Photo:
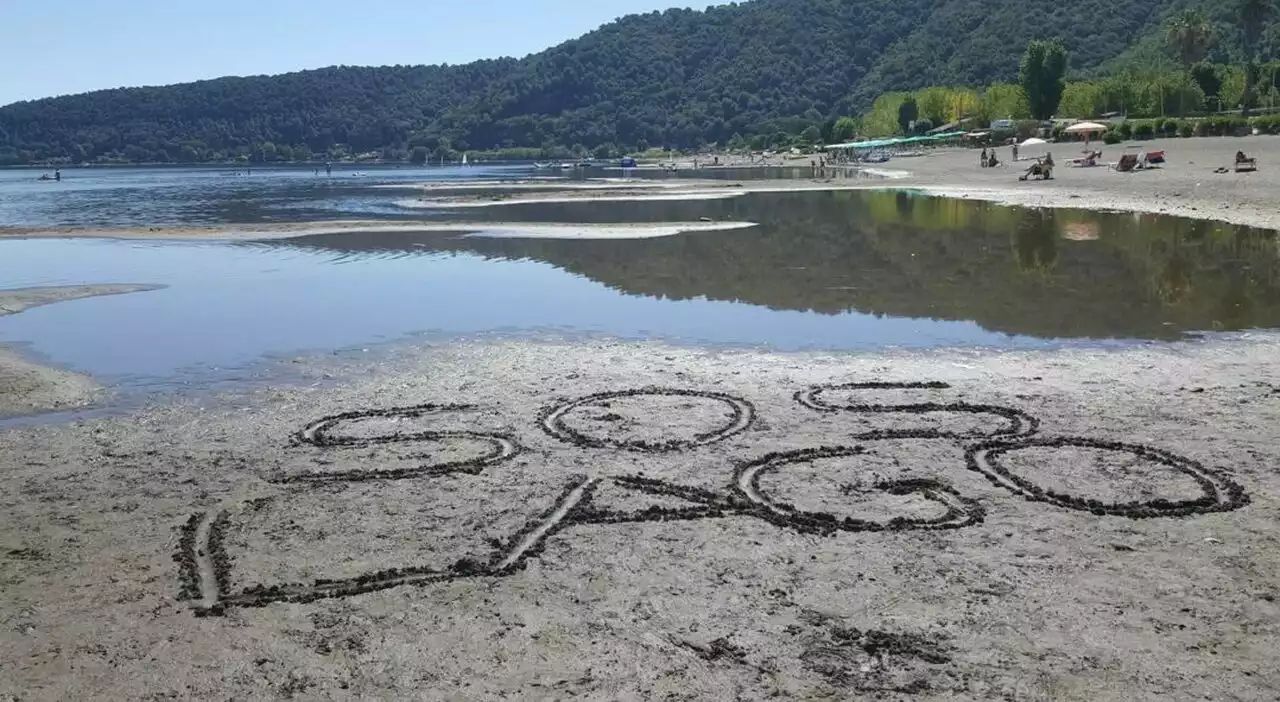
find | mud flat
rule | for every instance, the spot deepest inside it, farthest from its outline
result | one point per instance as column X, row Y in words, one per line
column 231, row 232
column 617, row 520
column 614, row 194
column 31, row 388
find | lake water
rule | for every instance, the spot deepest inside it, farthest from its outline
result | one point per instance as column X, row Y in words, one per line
column 824, row 270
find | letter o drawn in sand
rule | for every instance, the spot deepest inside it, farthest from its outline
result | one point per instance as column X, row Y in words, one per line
column 960, row 511
column 741, row 414
column 1218, row 494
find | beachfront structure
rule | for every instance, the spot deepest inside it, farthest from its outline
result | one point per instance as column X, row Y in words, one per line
column 895, row 141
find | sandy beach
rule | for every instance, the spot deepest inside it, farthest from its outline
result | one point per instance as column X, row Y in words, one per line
column 606, row 520
column 637, row 521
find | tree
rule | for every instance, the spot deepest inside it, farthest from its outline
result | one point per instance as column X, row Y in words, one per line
column 1206, row 76
column 845, row 130
column 419, row 155
column 1043, row 67
column 1189, row 35
column 907, row 113
column 1254, row 16
column 1003, row 101
column 1080, row 100
column 811, row 135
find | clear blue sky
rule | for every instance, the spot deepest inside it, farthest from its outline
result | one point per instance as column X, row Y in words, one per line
column 56, row 47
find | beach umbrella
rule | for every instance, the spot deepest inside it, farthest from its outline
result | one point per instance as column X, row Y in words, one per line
column 1033, row 141
column 1085, row 128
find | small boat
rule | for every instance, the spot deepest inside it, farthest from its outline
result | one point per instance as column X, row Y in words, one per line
column 464, row 159
column 542, row 166
column 566, row 166
column 628, row 162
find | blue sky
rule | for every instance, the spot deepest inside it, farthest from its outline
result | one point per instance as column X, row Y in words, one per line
column 56, row 47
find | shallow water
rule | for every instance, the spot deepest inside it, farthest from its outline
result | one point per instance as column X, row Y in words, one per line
column 141, row 197
column 823, row 270
column 145, row 197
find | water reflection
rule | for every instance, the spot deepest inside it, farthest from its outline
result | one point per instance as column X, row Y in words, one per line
column 1044, row 273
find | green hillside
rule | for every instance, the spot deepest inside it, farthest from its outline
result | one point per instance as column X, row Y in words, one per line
column 678, row 78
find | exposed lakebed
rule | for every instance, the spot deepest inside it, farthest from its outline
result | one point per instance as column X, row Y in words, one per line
column 818, row 270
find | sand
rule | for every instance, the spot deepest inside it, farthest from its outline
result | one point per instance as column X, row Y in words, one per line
column 29, row 388
column 1185, row 186
column 497, row 520
column 615, row 194
column 630, row 566
column 231, row 232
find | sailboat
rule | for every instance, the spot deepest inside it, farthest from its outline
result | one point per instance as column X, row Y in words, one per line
column 464, row 160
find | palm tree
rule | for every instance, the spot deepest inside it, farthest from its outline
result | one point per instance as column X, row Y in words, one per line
column 1254, row 16
column 1190, row 35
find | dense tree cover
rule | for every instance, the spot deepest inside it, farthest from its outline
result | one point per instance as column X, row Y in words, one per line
column 679, row 78
column 1041, row 75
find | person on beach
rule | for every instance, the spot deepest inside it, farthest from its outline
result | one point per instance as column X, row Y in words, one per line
column 57, row 175
column 1015, row 151
column 982, row 160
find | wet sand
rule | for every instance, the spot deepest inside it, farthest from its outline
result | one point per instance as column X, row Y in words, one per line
column 235, row 232
column 30, row 388
column 614, row 555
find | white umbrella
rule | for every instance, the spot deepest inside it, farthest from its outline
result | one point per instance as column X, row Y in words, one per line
column 1085, row 127
column 1033, row 141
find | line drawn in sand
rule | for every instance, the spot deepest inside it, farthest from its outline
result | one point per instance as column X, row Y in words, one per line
column 204, row 565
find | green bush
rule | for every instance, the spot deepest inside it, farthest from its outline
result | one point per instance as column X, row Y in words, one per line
column 1125, row 131
column 1266, row 124
column 1111, row 138
column 1169, row 128
column 1185, row 129
column 1144, row 130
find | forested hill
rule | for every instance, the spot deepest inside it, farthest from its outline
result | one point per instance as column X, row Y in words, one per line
column 678, row 78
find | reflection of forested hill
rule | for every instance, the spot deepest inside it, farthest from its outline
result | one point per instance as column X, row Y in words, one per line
column 1043, row 273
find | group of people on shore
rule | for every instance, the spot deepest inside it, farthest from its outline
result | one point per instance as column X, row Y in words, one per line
column 1042, row 168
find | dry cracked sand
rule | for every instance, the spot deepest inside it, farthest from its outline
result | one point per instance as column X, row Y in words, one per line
column 643, row 547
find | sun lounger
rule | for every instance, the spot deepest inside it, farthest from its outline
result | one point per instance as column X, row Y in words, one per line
column 1155, row 157
column 1127, row 163
column 1244, row 163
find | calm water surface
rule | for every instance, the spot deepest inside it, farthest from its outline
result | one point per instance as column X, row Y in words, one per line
column 838, row 270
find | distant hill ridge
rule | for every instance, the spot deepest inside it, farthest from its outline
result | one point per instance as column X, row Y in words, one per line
column 678, row 78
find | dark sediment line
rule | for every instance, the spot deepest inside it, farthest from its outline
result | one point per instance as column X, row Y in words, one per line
column 1018, row 423
column 1218, row 493
column 501, row 447
column 552, row 421
column 185, row 556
